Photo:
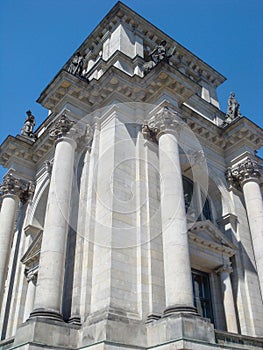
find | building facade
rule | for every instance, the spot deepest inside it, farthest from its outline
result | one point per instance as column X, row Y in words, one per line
column 132, row 217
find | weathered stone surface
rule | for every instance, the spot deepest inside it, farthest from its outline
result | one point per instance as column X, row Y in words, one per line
column 100, row 236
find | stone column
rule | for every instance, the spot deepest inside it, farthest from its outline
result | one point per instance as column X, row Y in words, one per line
column 82, row 240
column 49, row 288
column 247, row 175
column 228, row 300
column 13, row 190
column 177, row 269
column 30, row 294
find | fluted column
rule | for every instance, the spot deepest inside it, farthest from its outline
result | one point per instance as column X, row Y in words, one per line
column 177, row 269
column 48, row 298
column 247, row 175
column 12, row 189
column 228, row 300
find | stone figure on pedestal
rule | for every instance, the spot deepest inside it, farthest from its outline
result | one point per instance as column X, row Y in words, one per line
column 76, row 64
column 29, row 124
column 158, row 54
column 233, row 108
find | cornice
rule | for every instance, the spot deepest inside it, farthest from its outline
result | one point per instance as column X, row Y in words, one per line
column 245, row 131
column 121, row 13
column 219, row 242
column 136, row 88
column 14, row 147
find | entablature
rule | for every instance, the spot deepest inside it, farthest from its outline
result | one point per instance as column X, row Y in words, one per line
column 242, row 135
column 22, row 150
column 94, row 94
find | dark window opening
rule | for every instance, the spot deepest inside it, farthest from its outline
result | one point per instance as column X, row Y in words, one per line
column 202, row 294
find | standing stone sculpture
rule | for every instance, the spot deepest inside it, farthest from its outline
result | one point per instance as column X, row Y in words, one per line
column 233, row 108
column 158, row 54
column 76, row 64
column 29, row 124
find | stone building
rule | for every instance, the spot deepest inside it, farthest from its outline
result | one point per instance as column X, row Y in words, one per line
column 132, row 217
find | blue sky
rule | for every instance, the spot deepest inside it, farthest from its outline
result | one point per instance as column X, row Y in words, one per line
column 38, row 37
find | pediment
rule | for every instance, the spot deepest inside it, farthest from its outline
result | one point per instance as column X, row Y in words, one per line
column 31, row 256
column 207, row 235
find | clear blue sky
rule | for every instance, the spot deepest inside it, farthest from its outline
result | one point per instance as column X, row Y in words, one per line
column 38, row 37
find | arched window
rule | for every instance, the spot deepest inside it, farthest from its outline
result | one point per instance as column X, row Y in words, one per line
column 197, row 205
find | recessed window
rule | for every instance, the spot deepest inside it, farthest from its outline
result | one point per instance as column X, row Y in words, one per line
column 202, row 294
column 197, row 206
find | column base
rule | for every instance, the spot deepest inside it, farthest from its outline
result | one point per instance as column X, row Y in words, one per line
column 179, row 309
column 46, row 313
column 75, row 320
column 152, row 317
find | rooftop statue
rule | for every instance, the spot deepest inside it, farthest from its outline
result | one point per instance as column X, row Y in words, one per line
column 29, row 124
column 233, row 108
column 76, row 64
column 158, row 54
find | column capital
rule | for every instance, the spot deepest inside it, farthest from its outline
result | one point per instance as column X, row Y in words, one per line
column 247, row 170
column 61, row 127
column 12, row 185
column 66, row 128
column 31, row 276
column 163, row 122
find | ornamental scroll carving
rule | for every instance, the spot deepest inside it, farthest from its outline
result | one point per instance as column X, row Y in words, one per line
column 75, row 130
column 61, row 127
column 165, row 121
column 248, row 169
column 18, row 187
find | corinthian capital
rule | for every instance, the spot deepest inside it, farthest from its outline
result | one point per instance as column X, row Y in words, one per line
column 11, row 185
column 247, row 170
column 61, row 127
column 74, row 130
column 165, row 121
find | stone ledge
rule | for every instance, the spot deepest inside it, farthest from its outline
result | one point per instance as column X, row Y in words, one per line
column 238, row 341
column 180, row 326
column 47, row 333
column 178, row 332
